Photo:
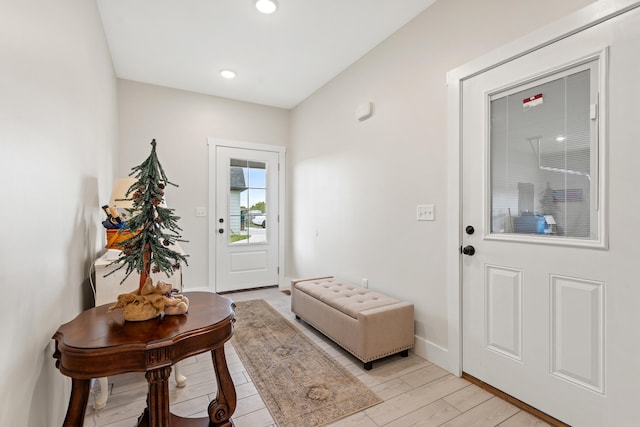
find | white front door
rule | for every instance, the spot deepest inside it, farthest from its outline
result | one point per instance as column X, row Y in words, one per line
column 246, row 218
column 547, row 302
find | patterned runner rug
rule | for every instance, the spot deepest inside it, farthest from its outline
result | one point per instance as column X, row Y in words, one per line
column 301, row 385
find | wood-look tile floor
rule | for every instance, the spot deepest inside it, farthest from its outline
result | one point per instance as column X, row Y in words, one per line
column 415, row 391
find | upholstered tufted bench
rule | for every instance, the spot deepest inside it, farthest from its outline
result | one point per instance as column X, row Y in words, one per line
column 367, row 324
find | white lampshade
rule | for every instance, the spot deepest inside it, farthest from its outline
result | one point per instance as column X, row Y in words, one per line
column 118, row 192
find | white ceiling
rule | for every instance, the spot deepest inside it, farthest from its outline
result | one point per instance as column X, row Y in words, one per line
column 280, row 59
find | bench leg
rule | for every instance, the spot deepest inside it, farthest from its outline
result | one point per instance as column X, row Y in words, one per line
column 404, row 353
column 368, row 365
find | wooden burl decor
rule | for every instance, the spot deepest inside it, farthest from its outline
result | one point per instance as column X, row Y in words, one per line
column 99, row 344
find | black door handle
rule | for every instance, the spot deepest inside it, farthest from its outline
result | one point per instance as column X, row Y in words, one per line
column 221, row 230
column 468, row 250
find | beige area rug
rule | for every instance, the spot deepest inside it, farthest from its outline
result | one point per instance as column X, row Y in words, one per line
column 300, row 384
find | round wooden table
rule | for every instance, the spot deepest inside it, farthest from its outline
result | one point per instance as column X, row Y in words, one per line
column 99, row 344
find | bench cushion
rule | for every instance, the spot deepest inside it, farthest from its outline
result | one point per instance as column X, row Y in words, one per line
column 344, row 296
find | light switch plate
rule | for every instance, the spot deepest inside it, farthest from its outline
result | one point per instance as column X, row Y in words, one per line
column 200, row 211
column 426, row 213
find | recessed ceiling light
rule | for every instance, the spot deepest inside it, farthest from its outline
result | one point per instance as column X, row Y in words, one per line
column 266, row 6
column 560, row 138
column 228, row 74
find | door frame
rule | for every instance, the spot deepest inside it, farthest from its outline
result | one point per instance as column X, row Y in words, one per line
column 213, row 144
column 588, row 17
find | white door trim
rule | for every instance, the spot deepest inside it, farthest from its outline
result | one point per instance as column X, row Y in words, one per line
column 213, row 143
column 590, row 16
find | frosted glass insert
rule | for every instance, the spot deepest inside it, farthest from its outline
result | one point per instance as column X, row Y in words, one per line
column 543, row 157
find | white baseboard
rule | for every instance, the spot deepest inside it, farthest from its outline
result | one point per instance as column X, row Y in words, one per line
column 432, row 352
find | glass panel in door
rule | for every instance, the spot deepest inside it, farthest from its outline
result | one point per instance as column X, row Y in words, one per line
column 247, row 202
column 543, row 157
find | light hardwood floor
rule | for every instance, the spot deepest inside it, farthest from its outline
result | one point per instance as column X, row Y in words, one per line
column 415, row 391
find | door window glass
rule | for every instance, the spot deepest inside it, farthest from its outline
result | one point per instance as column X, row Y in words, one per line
column 247, row 202
column 543, row 157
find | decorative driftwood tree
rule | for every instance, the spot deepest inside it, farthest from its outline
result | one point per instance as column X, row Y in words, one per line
column 155, row 228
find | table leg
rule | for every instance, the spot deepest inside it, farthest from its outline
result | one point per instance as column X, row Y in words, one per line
column 158, row 397
column 181, row 380
column 222, row 407
column 101, row 400
column 77, row 402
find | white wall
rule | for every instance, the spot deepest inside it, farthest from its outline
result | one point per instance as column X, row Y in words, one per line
column 58, row 127
column 354, row 186
column 181, row 122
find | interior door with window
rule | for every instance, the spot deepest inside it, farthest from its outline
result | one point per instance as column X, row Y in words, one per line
column 246, row 218
column 535, row 264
